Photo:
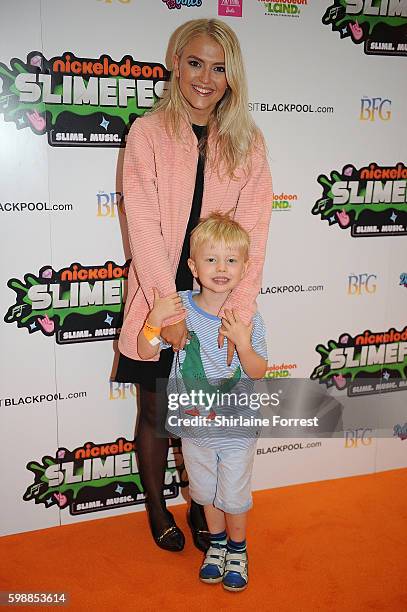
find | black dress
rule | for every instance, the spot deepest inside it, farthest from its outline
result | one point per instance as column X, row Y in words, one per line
column 145, row 373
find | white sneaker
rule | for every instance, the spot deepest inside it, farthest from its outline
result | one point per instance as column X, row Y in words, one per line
column 213, row 567
column 236, row 576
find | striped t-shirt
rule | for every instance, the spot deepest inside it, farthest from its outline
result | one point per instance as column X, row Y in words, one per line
column 209, row 401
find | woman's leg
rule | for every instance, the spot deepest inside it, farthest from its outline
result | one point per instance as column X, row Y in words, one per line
column 198, row 520
column 196, row 517
column 152, row 452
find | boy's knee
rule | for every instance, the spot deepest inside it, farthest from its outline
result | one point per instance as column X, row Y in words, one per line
column 232, row 502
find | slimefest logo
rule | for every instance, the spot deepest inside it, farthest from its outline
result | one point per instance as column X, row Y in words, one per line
column 76, row 304
column 380, row 24
column 284, row 8
column 371, row 201
column 79, row 101
column 369, row 363
column 96, row 477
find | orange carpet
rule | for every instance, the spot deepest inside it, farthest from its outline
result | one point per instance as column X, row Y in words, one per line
column 337, row 545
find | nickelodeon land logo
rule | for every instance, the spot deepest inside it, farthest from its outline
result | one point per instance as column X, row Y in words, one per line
column 96, row 477
column 284, row 201
column 79, row 101
column 370, row 201
column 284, row 8
column 369, row 363
column 282, row 370
column 76, row 304
column 380, row 24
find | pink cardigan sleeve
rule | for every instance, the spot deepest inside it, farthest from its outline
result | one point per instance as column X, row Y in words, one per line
column 253, row 212
column 147, row 246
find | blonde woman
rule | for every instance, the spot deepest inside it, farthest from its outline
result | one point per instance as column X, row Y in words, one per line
column 198, row 151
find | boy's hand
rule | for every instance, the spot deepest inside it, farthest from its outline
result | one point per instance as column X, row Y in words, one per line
column 235, row 330
column 230, row 347
column 164, row 308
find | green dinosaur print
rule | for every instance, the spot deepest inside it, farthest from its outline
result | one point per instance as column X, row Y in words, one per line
column 193, row 373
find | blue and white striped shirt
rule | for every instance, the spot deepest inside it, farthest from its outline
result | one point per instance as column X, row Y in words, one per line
column 211, row 387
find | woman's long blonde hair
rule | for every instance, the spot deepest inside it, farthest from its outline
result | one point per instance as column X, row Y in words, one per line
column 236, row 132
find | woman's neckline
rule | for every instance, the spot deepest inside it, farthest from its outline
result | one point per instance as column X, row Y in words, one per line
column 198, row 128
column 199, row 131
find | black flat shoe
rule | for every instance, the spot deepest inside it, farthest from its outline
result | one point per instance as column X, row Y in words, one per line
column 200, row 536
column 169, row 538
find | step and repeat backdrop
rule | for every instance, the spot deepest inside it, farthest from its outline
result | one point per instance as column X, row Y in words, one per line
column 327, row 84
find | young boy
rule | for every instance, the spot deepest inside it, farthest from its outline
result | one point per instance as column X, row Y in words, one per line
column 218, row 459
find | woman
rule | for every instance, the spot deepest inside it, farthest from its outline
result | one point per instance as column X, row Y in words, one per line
column 198, row 151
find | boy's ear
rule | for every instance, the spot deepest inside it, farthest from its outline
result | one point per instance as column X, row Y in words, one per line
column 192, row 267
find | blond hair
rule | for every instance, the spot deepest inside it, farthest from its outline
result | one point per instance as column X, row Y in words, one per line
column 236, row 132
column 219, row 228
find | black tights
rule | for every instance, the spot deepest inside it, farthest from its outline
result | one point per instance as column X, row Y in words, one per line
column 152, row 452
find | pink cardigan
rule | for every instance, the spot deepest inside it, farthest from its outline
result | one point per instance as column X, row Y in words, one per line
column 159, row 179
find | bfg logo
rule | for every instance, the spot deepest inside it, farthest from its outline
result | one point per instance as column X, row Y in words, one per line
column 358, row 437
column 122, row 391
column 109, row 203
column 375, row 108
column 361, row 283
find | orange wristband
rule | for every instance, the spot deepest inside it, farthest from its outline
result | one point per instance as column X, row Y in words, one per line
column 152, row 333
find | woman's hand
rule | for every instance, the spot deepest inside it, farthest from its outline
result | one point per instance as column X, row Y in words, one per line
column 236, row 331
column 176, row 335
column 164, row 308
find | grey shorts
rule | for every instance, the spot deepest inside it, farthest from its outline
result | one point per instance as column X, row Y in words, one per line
column 220, row 477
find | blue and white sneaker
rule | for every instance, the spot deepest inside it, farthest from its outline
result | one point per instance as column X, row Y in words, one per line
column 213, row 567
column 235, row 577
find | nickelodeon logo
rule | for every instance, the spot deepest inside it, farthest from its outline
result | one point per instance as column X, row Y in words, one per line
column 282, row 370
column 283, row 201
